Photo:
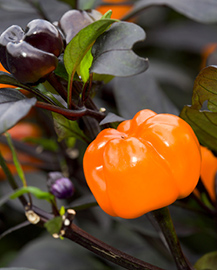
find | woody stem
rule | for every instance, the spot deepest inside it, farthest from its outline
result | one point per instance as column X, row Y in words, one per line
column 164, row 220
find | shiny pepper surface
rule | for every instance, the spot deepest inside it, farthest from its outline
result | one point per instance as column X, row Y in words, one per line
column 31, row 55
column 146, row 164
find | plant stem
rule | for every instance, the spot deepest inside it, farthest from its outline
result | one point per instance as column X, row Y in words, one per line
column 11, row 179
column 79, row 236
column 57, row 85
column 100, row 248
column 163, row 218
column 71, row 114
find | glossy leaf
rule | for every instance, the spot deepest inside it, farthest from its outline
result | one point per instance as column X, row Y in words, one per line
column 111, row 118
column 66, row 128
column 198, row 10
column 13, row 107
column 82, row 42
column 113, row 54
column 208, row 261
column 54, row 225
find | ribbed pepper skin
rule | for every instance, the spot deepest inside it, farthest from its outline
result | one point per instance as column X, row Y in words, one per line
column 146, row 164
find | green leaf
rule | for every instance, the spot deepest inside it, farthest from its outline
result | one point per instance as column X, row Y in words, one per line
column 203, row 120
column 38, row 193
column 113, row 54
column 54, row 225
column 83, row 68
column 198, row 10
column 13, row 107
column 67, row 128
column 102, row 77
column 107, row 15
column 204, row 124
column 82, row 42
column 205, row 88
column 207, row 262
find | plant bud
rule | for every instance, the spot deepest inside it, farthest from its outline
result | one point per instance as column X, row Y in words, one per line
column 60, row 186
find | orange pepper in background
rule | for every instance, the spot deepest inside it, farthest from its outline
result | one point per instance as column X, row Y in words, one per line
column 206, row 52
column 5, row 85
column 21, row 131
column 118, row 11
column 208, row 171
column 146, row 164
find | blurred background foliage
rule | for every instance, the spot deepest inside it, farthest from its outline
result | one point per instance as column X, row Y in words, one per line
column 177, row 48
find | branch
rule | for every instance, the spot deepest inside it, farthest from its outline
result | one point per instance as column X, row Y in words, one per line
column 105, row 251
column 77, row 235
column 163, row 218
column 71, row 114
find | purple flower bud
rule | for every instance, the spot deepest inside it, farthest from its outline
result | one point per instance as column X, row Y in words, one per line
column 60, row 186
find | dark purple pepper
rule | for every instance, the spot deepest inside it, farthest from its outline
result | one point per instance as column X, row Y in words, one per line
column 31, row 55
column 13, row 34
column 60, row 186
column 74, row 20
column 44, row 36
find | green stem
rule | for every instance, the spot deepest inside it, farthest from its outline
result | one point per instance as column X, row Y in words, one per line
column 163, row 218
column 11, row 179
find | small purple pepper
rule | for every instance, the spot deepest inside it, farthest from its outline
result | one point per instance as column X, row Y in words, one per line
column 60, row 186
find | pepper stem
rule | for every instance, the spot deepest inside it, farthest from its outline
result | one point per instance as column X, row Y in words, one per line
column 164, row 220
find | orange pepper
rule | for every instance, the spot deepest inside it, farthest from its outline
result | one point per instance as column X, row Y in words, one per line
column 146, row 164
column 118, row 11
column 21, row 131
column 208, row 171
column 206, row 52
column 5, row 85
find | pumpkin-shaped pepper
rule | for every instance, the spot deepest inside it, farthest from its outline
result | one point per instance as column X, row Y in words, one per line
column 146, row 164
